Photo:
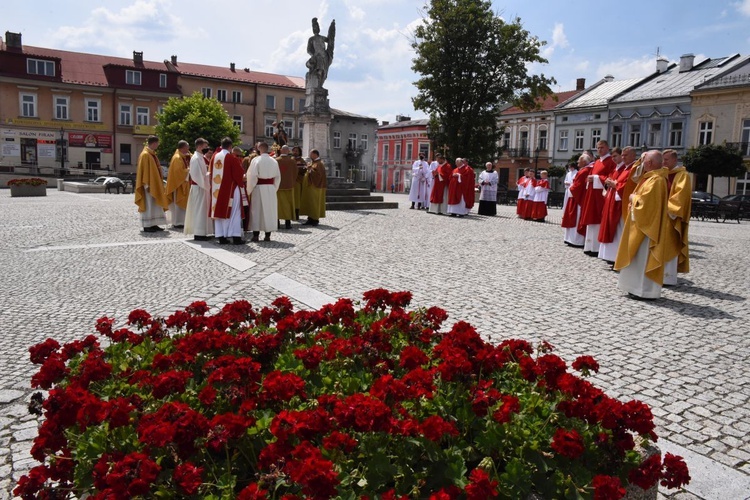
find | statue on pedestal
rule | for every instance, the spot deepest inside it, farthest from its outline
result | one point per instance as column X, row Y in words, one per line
column 320, row 49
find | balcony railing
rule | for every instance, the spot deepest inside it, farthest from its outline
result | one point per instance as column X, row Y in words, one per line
column 743, row 147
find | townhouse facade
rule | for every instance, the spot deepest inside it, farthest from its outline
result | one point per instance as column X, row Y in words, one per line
column 87, row 113
column 353, row 147
column 398, row 147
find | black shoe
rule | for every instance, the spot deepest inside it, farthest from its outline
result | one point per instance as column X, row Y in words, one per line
column 149, row 229
column 223, row 241
column 198, row 237
column 179, row 226
column 288, row 224
column 157, row 228
column 267, row 237
column 236, row 240
column 315, row 222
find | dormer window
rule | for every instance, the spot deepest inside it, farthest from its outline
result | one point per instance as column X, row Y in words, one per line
column 40, row 67
column 132, row 77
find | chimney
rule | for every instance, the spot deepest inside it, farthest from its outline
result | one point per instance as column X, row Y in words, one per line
column 137, row 57
column 580, row 83
column 686, row 62
column 384, row 123
column 247, row 70
column 403, row 118
column 231, row 67
column 13, row 41
column 609, row 78
column 174, row 60
column 662, row 63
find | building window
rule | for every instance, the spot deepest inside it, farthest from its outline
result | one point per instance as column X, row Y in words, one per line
column 542, row 144
column 635, row 136
column 654, row 135
column 126, row 115
column 132, row 77
column 424, row 149
column 397, row 153
column 506, row 140
column 675, row 134
column 270, row 102
column 40, row 67
column 409, row 151
column 221, row 95
column 352, row 144
column 268, row 129
column 386, row 152
column 163, row 80
column 28, row 105
column 363, row 140
column 289, row 127
column 93, row 110
column 61, row 107
column 206, row 91
column 289, row 104
column 578, row 144
column 125, row 154
column 237, row 120
column 616, row 136
column 236, row 96
column 363, row 174
column 337, row 140
column 302, row 104
column 596, row 136
column 141, row 115
column 705, row 133
column 562, row 144
column 745, row 146
column 524, row 142
column 300, row 128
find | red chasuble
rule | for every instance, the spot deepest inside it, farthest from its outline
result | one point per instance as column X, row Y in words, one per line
column 577, row 192
column 226, row 174
column 441, row 178
column 612, row 208
column 593, row 201
column 463, row 189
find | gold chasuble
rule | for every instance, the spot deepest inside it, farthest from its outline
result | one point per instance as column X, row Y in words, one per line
column 149, row 174
column 647, row 218
column 680, row 202
column 178, row 185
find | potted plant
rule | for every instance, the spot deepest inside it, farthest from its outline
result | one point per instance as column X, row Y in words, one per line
column 33, row 186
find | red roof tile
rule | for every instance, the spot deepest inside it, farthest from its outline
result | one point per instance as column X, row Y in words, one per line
column 547, row 104
column 239, row 75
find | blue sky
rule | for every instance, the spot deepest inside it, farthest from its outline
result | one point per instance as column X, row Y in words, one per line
column 371, row 74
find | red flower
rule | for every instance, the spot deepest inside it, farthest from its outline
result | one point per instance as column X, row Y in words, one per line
column 280, row 386
column 362, row 413
column 252, row 492
column 516, row 349
column 484, row 400
column 435, row 428
column 207, row 396
column 675, row 473
column 480, row 487
column 551, row 366
column 40, row 352
column 30, row 484
column 313, row 472
column 647, row 474
column 339, row 441
column 607, row 488
column 585, row 364
column 225, row 428
column 197, row 308
column 568, row 443
column 311, row 356
column 448, row 493
column 506, row 410
column 389, row 389
column 172, row 382
column 52, row 371
column 139, row 317
column 412, row 357
column 188, row 478
column 638, row 418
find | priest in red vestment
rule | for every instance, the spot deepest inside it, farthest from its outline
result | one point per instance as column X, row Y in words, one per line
column 613, row 222
column 226, row 202
column 577, row 193
column 461, row 189
column 440, row 179
column 593, row 202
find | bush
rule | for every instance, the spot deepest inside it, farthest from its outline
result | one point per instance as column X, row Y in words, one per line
column 339, row 402
column 31, row 181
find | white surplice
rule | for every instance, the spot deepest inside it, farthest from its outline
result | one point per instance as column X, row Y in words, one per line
column 263, row 202
column 197, row 221
column 418, row 192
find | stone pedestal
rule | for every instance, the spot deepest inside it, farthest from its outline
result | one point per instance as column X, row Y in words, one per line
column 316, row 131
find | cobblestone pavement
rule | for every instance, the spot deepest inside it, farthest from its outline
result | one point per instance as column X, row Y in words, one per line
column 69, row 259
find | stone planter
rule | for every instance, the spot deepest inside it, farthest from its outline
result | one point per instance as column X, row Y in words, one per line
column 26, row 190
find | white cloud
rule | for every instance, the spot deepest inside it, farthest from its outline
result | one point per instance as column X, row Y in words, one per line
column 627, row 67
column 743, row 6
column 558, row 36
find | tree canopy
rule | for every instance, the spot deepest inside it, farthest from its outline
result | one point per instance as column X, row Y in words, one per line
column 189, row 118
column 472, row 62
column 717, row 160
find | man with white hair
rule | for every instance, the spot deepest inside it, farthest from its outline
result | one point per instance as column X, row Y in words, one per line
column 648, row 239
column 461, row 189
column 488, row 194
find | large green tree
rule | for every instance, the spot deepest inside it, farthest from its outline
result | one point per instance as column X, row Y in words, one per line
column 189, row 118
column 716, row 160
column 472, row 62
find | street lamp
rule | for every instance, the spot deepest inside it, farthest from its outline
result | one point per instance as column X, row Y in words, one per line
column 536, row 159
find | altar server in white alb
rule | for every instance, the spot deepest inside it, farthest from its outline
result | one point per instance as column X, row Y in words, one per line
column 488, row 195
column 418, row 193
column 430, row 179
column 197, row 221
column 263, row 179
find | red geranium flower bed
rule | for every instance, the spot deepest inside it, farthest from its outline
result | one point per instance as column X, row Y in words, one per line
column 375, row 402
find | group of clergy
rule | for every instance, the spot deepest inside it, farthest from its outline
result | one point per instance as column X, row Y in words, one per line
column 444, row 189
column 634, row 214
column 222, row 193
column 532, row 195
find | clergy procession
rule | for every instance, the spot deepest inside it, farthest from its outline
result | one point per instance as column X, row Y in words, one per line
column 222, row 193
column 633, row 214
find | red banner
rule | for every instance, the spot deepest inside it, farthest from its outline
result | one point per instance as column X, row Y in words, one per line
column 89, row 140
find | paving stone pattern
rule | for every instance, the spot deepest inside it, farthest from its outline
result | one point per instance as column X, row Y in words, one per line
column 686, row 355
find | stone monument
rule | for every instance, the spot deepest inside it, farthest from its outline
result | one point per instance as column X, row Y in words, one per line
column 317, row 113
